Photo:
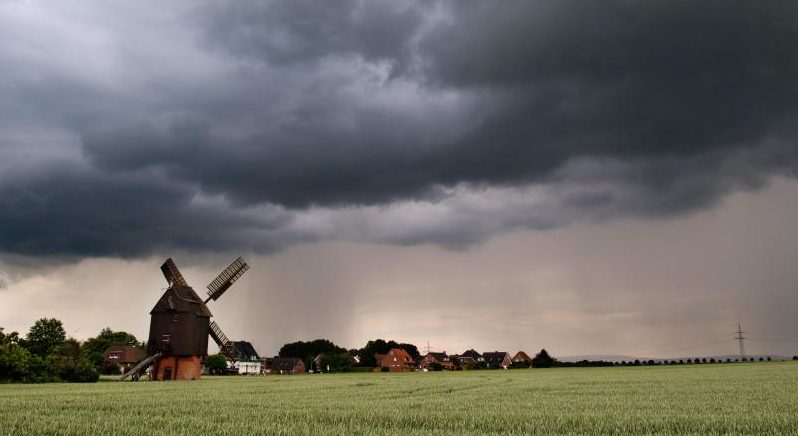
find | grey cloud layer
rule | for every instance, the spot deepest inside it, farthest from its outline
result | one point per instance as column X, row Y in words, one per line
column 255, row 125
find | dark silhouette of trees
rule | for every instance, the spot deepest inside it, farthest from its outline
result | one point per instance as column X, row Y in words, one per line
column 542, row 360
column 307, row 351
column 381, row 346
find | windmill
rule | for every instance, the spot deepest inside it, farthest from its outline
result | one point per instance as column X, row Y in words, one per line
column 180, row 324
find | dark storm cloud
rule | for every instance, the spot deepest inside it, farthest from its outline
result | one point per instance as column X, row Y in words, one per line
column 301, row 31
column 77, row 211
column 287, row 107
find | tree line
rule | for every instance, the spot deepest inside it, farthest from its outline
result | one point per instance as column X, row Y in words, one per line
column 338, row 358
column 46, row 354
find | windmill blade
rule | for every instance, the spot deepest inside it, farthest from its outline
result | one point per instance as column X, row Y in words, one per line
column 172, row 274
column 226, row 279
column 226, row 347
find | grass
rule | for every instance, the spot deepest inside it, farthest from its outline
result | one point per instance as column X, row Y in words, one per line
column 755, row 399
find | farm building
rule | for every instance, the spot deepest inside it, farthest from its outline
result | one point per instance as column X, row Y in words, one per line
column 126, row 356
column 397, row 359
column 498, row 359
column 439, row 358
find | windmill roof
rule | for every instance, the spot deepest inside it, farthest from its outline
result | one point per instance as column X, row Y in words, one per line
column 181, row 299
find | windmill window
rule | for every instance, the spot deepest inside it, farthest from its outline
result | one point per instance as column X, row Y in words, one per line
column 165, row 338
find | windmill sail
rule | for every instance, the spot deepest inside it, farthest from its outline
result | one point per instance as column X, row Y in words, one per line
column 172, row 274
column 226, row 279
column 226, row 347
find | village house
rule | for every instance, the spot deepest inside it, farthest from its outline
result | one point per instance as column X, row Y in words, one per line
column 497, row 359
column 397, row 359
column 126, row 356
column 283, row 365
column 248, row 360
column 441, row 359
column 473, row 355
column 521, row 358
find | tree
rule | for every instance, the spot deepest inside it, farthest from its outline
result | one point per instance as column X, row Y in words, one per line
column 542, row 360
column 45, row 334
column 216, row 364
column 307, row 351
column 14, row 362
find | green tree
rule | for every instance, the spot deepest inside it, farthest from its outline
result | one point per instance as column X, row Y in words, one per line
column 216, row 364
column 45, row 334
column 307, row 351
column 14, row 362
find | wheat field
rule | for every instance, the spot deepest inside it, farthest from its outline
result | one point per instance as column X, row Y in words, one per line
column 755, row 399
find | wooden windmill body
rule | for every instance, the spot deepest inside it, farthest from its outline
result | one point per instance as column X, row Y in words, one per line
column 180, row 324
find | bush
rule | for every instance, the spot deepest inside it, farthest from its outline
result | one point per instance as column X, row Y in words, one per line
column 83, row 372
column 435, row 366
column 542, row 360
column 111, row 369
column 384, row 369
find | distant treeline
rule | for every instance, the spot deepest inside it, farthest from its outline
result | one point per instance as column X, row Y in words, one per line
column 45, row 354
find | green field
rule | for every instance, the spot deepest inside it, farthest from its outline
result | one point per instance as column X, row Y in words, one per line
column 751, row 399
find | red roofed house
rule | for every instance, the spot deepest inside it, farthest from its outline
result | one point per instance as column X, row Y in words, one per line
column 521, row 358
column 396, row 359
column 439, row 358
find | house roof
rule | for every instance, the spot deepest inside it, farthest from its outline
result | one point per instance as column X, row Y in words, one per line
column 520, row 356
column 123, row 354
column 438, row 356
column 398, row 353
column 472, row 353
column 495, row 356
column 245, row 350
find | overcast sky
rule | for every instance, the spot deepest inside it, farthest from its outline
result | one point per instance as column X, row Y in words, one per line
column 615, row 177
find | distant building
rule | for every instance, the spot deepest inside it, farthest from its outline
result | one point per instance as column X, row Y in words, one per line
column 283, row 365
column 439, row 358
column 521, row 357
column 248, row 361
column 396, row 359
column 126, row 356
column 473, row 355
column 497, row 359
